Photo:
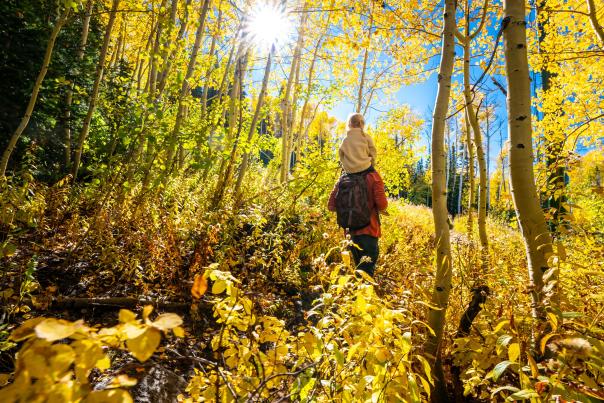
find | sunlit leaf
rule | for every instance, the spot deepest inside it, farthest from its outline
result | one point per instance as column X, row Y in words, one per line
column 55, row 329
column 143, row 347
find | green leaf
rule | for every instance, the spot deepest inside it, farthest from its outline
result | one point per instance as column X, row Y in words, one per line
column 571, row 315
column 523, row 394
column 305, row 390
column 502, row 388
column 500, row 369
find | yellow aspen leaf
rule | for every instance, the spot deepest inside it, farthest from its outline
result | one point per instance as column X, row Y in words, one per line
column 143, row 347
column 167, row 321
column 346, row 258
column 126, row 316
column 367, row 277
column 121, row 381
column 533, row 365
column 63, row 357
column 179, row 331
column 200, row 286
column 218, row 286
column 147, row 311
column 133, row 330
column 104, row 363
column 514, row 352
column 109, row 396
column 55, row 329
column 382, row 355
column 544, row 341
column 26, row 330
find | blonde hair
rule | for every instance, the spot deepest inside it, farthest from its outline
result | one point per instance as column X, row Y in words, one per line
column 356, row 120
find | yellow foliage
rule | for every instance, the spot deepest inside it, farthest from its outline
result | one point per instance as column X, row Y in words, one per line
column 48, row 369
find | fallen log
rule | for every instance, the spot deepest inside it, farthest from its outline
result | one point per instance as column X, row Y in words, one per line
column 127, row 302
column 479, row 297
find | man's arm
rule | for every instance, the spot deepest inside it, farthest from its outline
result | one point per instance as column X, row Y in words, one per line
column 379, row 194
column 331, row 206
column 372, row 150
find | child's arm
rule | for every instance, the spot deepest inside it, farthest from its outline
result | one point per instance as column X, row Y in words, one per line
column 372, row 149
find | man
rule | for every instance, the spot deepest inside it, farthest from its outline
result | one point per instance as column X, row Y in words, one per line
column 367, row 238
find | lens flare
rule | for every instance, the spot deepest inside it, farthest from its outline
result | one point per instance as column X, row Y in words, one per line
column 268, row 25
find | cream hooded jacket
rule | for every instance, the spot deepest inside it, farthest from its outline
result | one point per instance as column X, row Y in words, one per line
column 357, row 151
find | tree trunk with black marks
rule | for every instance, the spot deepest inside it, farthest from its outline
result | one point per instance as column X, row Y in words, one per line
column 442, row 280
column 536, row 236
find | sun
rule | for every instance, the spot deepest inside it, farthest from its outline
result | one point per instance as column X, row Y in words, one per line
column 268, row 25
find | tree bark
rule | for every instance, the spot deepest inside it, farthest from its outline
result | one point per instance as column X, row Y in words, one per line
column 285, row 112
column 442, row 280
column 591, row 8
column 232, row 138
column 471, row 175
column 472, row 116
column 524, row 192
column 185, row 87
column 95, row 90
column 34, row 94
column 169, row 59
column 206, row 87
column 254, row 124
column 69, row 95
column 364, row 68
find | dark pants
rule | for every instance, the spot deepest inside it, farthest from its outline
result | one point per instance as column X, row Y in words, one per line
column 369, row 248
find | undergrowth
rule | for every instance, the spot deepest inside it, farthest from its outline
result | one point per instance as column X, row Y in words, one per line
column 291, row 318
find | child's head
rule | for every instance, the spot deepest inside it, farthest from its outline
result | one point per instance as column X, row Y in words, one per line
column 355, row 120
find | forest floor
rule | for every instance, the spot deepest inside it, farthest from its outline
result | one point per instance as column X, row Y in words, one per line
column 87, row 263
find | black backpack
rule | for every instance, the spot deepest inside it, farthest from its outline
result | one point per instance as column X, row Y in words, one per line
column 352, row 206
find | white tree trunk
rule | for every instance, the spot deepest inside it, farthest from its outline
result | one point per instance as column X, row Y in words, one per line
column 442, row 280
column 524, row 192
column 95, row 90
column 472, row 116
column 286, row 110
column 254, row 124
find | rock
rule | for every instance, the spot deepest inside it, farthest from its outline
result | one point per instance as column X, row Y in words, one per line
column 158, row 385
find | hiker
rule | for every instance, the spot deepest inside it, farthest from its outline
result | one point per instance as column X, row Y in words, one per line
column 359, row 196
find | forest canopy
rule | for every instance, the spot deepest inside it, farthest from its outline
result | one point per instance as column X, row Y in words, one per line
column 166, row 173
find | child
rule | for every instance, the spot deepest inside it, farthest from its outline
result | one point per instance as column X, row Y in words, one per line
column 357, row 151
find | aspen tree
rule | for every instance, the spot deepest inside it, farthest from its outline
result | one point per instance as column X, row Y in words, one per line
column 254, row 124
column 524, row 192
column 211, row 52
column 442, row 278
column 286, row 109
column 185, row 87
column 34, row 93
column 100, row 68
column 365, row 58
column 311, row 72
column 234, row 102
column 234, row 120
column 153, row 60
column 169, row 58
column 472, row 119
column 69, row 94
column 471, row 174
